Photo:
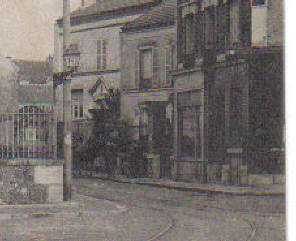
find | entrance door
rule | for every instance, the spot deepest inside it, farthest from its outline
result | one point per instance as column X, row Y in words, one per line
column 162, row 137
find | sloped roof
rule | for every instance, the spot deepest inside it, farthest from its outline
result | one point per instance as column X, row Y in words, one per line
column 164, row 13
column 38, row 94
column 108, row 5
column 35, row 72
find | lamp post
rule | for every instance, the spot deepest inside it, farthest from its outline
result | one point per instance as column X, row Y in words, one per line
column 67, row 117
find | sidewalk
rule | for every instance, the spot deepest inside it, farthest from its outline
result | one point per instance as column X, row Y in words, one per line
column 274, row 189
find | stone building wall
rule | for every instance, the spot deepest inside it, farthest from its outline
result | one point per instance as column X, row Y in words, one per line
column 25, row 183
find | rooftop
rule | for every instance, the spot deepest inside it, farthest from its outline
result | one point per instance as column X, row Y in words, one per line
column 163, row 13
column 108, row 5
column 35, row 94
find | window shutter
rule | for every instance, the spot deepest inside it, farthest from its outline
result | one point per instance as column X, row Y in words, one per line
column 180, row 38
column 155, row 67
column 104, row 54
column 168, row 64
column 99, row 54
column 199, row 33
column 137, row 69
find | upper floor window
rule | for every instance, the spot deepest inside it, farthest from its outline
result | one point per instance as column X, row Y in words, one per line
column 209, row 27
column 72, row 57
column 258, row 2
column 189, row 33
column 146, row 65
column 77, row 104
column 101, row 54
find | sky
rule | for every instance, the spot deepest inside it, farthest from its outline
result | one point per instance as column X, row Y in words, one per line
column 27, row 27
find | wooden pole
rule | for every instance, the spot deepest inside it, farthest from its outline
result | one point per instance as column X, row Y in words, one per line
column 67, row 132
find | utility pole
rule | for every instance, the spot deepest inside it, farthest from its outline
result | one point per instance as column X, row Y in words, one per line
column 67, row 134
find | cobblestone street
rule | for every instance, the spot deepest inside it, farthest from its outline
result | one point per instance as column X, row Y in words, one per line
column 200, row 216
column 105, row 210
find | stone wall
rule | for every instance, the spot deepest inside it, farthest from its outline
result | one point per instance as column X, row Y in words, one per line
column 25, row 183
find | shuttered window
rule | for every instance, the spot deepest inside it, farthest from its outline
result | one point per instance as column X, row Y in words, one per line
column 101, row 54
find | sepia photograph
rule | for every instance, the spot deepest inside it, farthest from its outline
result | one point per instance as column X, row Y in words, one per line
column 143, row 120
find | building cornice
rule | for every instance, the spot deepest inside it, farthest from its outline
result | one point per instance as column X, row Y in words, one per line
column 96, row 72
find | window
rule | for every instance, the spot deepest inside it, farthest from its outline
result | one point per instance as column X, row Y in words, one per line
column 258, row 2
column 31, row 134
column 72, row 57
column 234, row 23
column 189, row 34
column 77, row 104
column 146, row 68
column 73, row 62
column 101, row 54
column 222, row 27
column 209, row 27
column 189, row 125
column 143, row 122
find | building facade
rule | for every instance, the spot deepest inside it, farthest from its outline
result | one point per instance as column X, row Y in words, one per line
column 229, row 90
column 148, row 54
column 94, row 53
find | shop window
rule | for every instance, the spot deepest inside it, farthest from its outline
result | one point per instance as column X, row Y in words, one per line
column 101, row 54
column 146, row 72
column 77, row 104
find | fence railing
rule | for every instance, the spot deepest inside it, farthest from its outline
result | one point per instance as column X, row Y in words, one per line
column 27, row 134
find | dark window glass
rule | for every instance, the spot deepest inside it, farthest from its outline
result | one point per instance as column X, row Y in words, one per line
column 145, row 68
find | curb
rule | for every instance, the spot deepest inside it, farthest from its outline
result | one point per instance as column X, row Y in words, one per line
column 36, row 215
column 10, row 212
column 191, row 189
column 58, row 205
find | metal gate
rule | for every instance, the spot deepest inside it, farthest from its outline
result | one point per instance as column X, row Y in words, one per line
column 29, row 133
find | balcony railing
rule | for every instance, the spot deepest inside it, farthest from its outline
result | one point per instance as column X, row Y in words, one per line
column 27, row 134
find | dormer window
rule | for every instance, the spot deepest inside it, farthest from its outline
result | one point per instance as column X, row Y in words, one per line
column 72, row 57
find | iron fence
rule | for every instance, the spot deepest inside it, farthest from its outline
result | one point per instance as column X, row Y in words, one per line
column 29, row 133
